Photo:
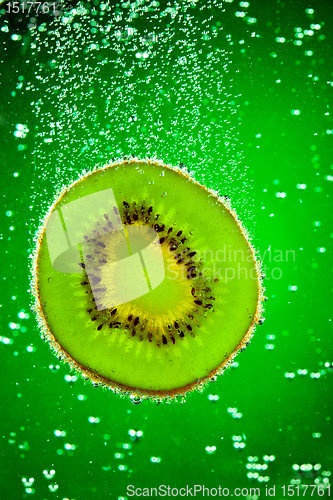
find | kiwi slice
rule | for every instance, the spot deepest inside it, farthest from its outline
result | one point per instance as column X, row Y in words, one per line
column 145, row 281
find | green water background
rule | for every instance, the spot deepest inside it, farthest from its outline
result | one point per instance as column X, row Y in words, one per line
column 266, row 141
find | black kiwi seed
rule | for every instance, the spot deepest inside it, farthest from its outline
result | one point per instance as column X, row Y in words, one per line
column 176, row 325
column 125, row 204
column 136, row 321
column 100, row 326
column 198, row 302
column 164, row 339
column 113, row 312
column 179, row 233
column 130, row 317
column 95, row 279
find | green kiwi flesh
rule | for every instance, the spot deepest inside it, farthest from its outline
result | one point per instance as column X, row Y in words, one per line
column 181, row 333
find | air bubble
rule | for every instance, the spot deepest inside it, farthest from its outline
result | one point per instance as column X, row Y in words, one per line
column 93, row 420
column 135, row 399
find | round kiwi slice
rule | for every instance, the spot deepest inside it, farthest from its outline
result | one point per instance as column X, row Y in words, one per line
column 144, row 280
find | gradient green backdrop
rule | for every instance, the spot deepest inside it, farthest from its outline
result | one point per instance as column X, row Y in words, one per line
column 228, row 90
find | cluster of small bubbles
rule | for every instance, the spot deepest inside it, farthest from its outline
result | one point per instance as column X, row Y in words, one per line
column 82, row 397
column 210, row 449
column 59, row 433
column 315, row 375
column 135, row 435
column 28, row 483
column 126, row 446
column 30, row 348
column 292, row 288
column 269, row 458
column 234, row 412
column 270, row 337
column 213, row 397
column 54, row 368
column 53, row 487
column 256, row 476
column 23, row 315
column 49, row 473
column 295, row 112
column 70, row 378
column 69, row 447
column 317, row 223
column 155, row 460
column 238, row 443
column 269, row 346
column 12, row 435
column 234, row 364
column 9, row 213
column 321, row 249
column 21, row 130
column 302, row 372
column 14, row 326
column 289, row 375
column 329, row 177
column 24, row 446
column 281, row 195
column 118, row 456
column 255, row 466
column 316, row 435
column 93, row 420
column 280, row 39
column 6, row 340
